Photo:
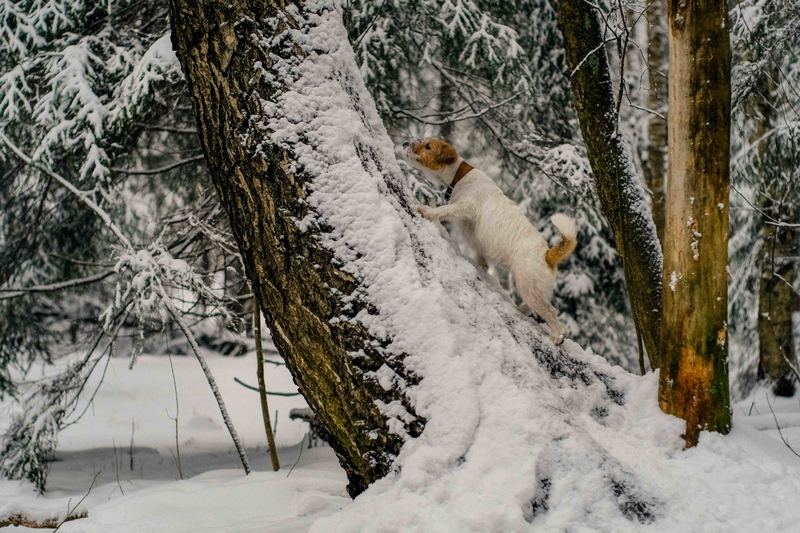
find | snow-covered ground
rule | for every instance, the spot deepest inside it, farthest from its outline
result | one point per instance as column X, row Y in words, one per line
column 752, row 469
column 137, row 407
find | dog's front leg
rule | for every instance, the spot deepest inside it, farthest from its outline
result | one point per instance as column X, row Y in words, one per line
column 456, row 211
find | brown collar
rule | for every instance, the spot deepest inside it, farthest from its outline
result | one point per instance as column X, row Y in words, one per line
column 462, row 170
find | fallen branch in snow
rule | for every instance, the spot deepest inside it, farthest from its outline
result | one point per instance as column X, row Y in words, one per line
column 19, row 520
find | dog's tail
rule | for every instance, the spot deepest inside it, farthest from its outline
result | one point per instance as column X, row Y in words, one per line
column 566, row 246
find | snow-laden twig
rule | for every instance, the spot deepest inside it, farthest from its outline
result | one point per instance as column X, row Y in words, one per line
column 82, row 196
column 14, row 292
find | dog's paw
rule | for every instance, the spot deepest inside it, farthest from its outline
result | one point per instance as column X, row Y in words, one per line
column 558, row 341
column 426, row 212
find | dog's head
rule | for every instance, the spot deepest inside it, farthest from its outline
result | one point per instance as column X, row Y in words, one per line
column 430, row 154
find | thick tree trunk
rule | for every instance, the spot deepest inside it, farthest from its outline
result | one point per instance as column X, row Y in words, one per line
column 655, row 165
column 225, row 49
column 694, row 379
column 621, row 195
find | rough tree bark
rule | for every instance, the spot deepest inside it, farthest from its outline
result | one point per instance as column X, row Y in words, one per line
column 224, row 48
column 621, row 195
column 655, row 164
column 694, row 379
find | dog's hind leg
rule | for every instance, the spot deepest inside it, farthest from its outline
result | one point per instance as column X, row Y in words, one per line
column 550, row 315
column 536, row 296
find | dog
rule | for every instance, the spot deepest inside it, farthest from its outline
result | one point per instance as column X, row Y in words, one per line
column 495, row 226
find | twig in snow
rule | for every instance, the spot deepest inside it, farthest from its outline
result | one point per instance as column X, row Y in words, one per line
column 262, row 387
column 778, row 426
column 299, row 455
column 116, row 467
column 177, row 414
column 130, row 450
column 72, row 510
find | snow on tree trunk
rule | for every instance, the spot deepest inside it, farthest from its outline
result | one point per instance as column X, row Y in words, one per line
column 621, row 195
column 694, row 378
column 384, row 326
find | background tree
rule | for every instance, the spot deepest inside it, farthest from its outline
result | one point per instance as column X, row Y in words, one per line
column 617, row 184
column 763, row 249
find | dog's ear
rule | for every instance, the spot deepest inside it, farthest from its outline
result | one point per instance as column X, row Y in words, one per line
column 446, row 154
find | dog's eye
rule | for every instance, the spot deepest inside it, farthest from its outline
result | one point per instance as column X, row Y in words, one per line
column 427, row 146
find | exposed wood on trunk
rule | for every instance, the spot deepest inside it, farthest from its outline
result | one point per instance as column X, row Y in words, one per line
column 621, row 195
column 694, row 379
column 221, row 47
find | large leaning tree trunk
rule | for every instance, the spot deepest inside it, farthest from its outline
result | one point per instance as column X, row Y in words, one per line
column 225, row 50
column 621, row 195
column 694, row 379
column 384, row 326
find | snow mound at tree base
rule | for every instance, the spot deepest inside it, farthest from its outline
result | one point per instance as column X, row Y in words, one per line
column 626, row 471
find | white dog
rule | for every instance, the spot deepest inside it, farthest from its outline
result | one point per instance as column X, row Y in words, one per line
column 495, row 226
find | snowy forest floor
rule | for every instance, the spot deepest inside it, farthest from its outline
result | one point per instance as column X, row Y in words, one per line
column 217, row 497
